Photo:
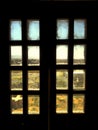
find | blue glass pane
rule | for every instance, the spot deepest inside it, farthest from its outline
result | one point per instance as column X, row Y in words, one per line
column 62, row 29
column 33, row 30
column 15, row 30
column 79, row 29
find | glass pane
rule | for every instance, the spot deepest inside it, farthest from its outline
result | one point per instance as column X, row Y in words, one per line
column 16, row 104
column 80, row 29
column 33, row 56
column 79, row 80
column 16, row 80
column 62, row 79
column 61, row 54
column 33, row 80
column 15, row 30
column 33, row 104
column 33, row 30
column 62, row 29
column 61, row 103
column 79, row 54
column 16, row 56
column 78, row 103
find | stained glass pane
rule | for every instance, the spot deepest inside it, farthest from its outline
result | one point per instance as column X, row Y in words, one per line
column 78, row 103
column 79, row 54
column 62, row 79
column 16, row 104
column 62, row 29
column 33, row 104
column 33, row 56
column 61, row 54
column 16, row 80
column 33, row 80
column 61, row 103
column 33, row 30
column 16, row 56
column 15, row 30
column 79, row 79
column 79, row 29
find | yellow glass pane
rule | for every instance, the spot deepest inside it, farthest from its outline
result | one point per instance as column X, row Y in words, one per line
column 16, row 104
column 79, row 79
column 16, row 80
column 61, row 103
column 78, row 103
column 62, row 79
column 33, row 80
column 33, row 104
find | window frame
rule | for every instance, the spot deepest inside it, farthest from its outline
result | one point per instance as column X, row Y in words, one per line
column 71, row 42
column 24, row 43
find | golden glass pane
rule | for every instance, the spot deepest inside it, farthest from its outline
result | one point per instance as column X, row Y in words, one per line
column 62, row 29
column 78, row 103
column 16, row 104
column 15, row 30
column 61, row 54
column 62, row 79
column 79, row 79
column 33, row 80
column 79, row 54
column 80, row 29
column 33, row 104
column 33, row 28
column 16, row 80
column 16, row 56
column 33, row 56
column 61, row 103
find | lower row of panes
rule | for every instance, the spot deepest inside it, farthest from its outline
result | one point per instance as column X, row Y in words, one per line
column 61, row 104
column 17, row 104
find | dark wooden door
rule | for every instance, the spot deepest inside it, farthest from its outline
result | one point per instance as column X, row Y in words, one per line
column 50, row 117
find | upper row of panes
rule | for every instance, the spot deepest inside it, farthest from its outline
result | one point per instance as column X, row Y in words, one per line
column 62, row 30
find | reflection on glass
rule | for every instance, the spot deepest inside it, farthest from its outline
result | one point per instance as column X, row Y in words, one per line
column 33, row 56
column 16, row 56
column 16, row 104
column 16, row 80
column 79, row 54
column 33, row 104
column 78, row 103
column 62, row 29
column 62, row 79
column 15, row 30
column 61, row 54
column 80, row 29
column 79, row 80
column 33, row 80
column 61, row 103
column 33, row 30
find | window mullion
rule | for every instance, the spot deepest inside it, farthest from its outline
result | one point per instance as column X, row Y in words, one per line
column 24, row 54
